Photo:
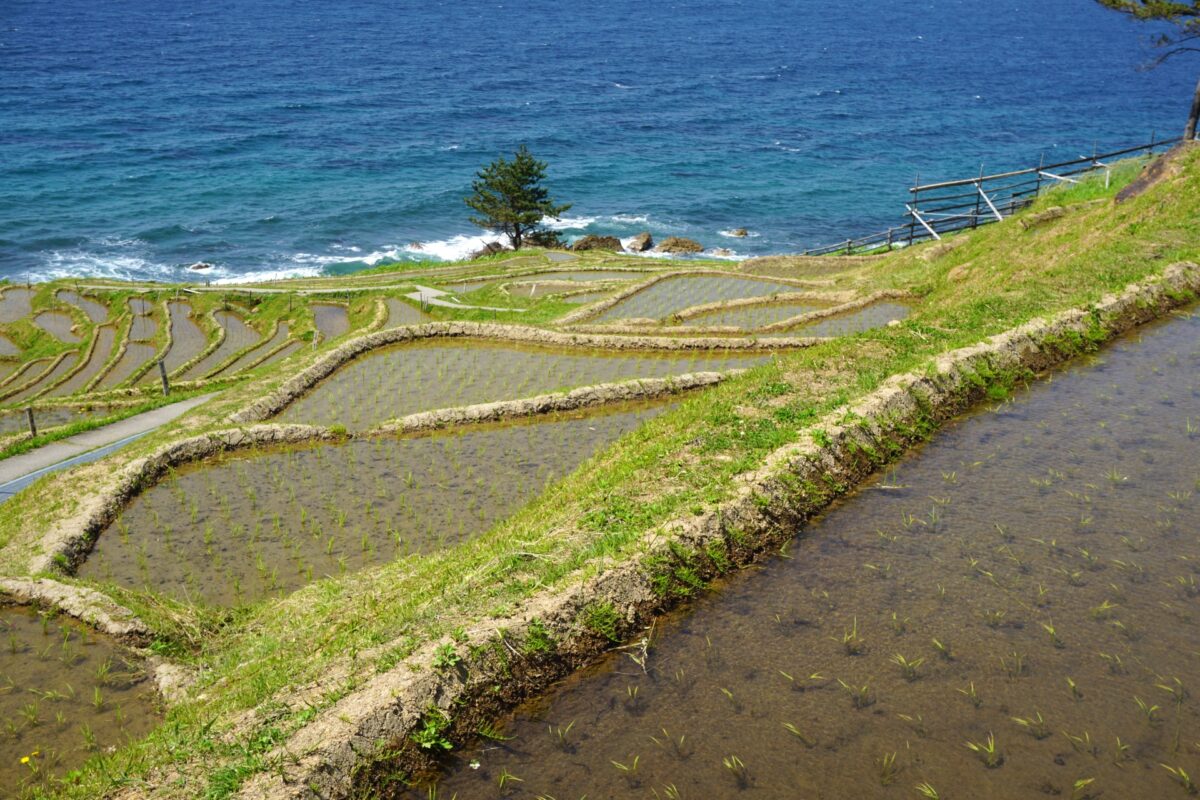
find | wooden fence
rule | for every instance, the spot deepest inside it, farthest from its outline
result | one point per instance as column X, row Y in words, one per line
column 937, row 209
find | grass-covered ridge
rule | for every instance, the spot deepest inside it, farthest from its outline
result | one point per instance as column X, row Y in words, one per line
column 339, row 632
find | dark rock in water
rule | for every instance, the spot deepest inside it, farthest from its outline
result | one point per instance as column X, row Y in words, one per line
column 678, row 244
column 593, row 242
column 723, row 252
column 417, row 245
column 489, row 249
column 740, row 233
column 199, row 266
column 641, row 243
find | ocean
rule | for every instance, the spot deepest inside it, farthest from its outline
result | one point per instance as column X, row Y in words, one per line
column 277, row 138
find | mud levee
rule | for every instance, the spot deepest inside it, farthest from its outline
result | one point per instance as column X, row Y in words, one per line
column 357, row 746
column 286, row 394
column 105, row 615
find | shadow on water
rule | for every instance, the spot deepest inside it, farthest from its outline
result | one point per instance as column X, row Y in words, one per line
column 1008, row 613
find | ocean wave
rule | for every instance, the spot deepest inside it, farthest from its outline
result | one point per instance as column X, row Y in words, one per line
column 567, row 223
column 732, row 234
column 261, row 276
column 456, row 248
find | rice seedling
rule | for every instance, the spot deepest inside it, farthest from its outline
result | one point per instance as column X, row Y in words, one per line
column 1014, row 665
column 888, row 771
column 676, row 747
column 987, row 751
column 860, row 696
column 1081, row 789
column 927, row 791
column 1082, row 744
column 737, row 768
column 505, row 778
column 851, row 641
column 1053, row 634
column 629, row 771
column 1180, row 775
column 971, row 695
column 908, row 668
column 1076, row 694
column 916, row 722
column 1035, row 726
column 804, row 738
column 943, row 649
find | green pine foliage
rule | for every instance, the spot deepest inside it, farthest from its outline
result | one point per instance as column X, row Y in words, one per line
column 508, row 197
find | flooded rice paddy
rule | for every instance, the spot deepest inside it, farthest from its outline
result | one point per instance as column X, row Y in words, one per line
column 254, row 356
column 1009, row 613
column 136, row 354
column 141, row 306
column 238, row 336
column 66, row 694
column 143, row 328
column 401, row 313
column 187, row 338
column 16, row 303
column 751, row 317
column 332, row 319
column 418, row 376
column 671, row 295
column 249, row 525
column 587, row 297
column 52, row 417
column 48, row 379
column 7, row 348
column 58, row 325
column 106, row 337
column 97, row 312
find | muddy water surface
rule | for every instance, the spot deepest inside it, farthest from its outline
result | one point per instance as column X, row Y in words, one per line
column 751, row 317
column 106, row 337
column 238, row 336
column 136, row 354
column 418, row 376
column 253, row 524
column 66, row 694
column 1032, row 575
column 13, row 421
column 401, row 313
column 675, row 294
column 58, row 325
column 15, row 304
column 332, row 320
column 97, row 312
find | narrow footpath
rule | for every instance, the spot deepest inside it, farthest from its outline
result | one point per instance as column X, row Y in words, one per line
column 19, row 471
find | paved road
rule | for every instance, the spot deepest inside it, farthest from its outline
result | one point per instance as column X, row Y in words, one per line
column 19, row 471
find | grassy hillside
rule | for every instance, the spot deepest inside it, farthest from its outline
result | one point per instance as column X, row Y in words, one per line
column 254, row 658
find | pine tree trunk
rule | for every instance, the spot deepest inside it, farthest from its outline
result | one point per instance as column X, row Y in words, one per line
column 1189, row 133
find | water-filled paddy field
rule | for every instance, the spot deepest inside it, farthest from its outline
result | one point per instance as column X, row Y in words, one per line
column 66, row 694
column 332, row 320
column 14, row 421
column 250, row 524
column 401, row 313
column 671, row 295
column 751, row 317
column 97, row 312
column 423, row 375
column 1009, row 613
column 57, row 324
column 238, row 336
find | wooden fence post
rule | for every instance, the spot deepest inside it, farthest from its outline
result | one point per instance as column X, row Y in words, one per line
column 32, row 423
column 162, row 373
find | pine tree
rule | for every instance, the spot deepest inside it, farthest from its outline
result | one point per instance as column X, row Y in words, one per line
column 510, row 199
column 1185, row 17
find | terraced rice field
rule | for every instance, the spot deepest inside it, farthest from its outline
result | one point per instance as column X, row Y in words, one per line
column 587, row 297
column 187, row 339
column 254, row 524
column 66, row 694
column 1010, row 612
column 238, row 335
column 140, row 306
column 875, row 315
column 7, row 348
column 401, row 313
column 48, row 379
column 253, row 356
column 404, row 379
column 58, row 325
column 752, row 317
column 143, row 329
column 15, row 304
column 96, row 312
column 106, row 336
column 136, row 354
column 332, row 320
column 49, row 417
column 671, row 295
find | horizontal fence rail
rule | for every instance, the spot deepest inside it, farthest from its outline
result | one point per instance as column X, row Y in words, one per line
column 937, row 209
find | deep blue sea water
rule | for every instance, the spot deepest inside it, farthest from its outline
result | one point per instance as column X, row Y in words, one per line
column 285, row 137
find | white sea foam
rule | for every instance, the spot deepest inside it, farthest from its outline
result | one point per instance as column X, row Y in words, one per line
column 456, row 248
column 567, row 223
column 631, row 219
column 730, row 234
